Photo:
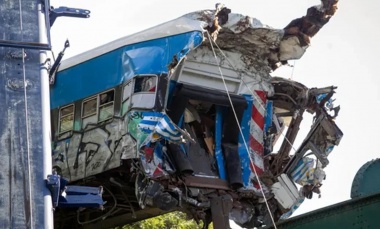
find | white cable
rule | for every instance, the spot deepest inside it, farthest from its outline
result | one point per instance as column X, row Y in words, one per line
column 293, row 67
column 241, row 132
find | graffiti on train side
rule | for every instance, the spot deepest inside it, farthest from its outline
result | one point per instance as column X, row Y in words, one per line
column 94, row 150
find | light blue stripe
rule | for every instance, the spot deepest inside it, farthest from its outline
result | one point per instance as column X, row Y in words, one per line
column 148, row 122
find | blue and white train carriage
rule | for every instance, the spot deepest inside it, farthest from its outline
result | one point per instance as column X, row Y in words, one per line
column 168, row 109
column 99, row 93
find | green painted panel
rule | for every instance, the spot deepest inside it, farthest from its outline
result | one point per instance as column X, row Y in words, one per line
column 357, row 213
column 364, row 183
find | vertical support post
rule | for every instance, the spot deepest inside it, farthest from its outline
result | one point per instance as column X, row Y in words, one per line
column 253, row 130
column 256, row 140
column 45, row 108
column 220, row 210
column 290, row 137
column 218, row 142
column 268, row 116
column 22, row 184
column 243, row 152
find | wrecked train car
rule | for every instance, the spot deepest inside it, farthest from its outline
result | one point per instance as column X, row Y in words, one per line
column 185, row 118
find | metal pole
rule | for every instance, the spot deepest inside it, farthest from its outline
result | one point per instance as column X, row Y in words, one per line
column 45, row 107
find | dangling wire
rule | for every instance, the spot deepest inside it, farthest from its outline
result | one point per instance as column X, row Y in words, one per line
column 102, row 217
column 241, row 132
column 293, row 67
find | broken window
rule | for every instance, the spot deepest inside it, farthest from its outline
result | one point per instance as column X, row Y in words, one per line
column 144, row 92
column 66, row 120
column 145, row 84
column 106, row 105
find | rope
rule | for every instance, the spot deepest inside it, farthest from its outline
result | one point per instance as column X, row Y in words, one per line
column 293, row 67
column 241, row 132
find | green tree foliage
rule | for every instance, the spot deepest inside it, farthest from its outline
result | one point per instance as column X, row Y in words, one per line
column 173, row 220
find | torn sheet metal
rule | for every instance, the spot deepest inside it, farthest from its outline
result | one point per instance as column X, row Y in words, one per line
column 163, row 30
column 154, row 161
column 285, row 192
column 306, row 173
column 262, row 47
column 254, row 49
column 295, row 206
column 160, row 124
column 202, row 68
column 299, row 32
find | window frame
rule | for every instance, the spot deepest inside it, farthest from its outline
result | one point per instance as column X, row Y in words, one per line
column 98, row 107
column 60, row 117
column 128, row 97
column 141, row 93
column 87, row 100
column 142, row 77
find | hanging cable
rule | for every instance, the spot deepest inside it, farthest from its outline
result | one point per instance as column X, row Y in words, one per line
column 241, row 132
column 102, row 217
column 293, row 67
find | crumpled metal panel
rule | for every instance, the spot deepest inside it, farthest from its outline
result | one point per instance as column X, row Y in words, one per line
column 166, row 29
column 249, row 44
column 160, row 124
column 119, row 65
column 240, row 77
column 263, row 47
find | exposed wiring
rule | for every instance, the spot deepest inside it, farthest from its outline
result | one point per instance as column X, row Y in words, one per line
column 102, row 216
column 112, row 180
column 287, row 96
column 241, row 132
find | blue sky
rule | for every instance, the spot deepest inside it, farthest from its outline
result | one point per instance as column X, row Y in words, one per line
column 344, row 53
